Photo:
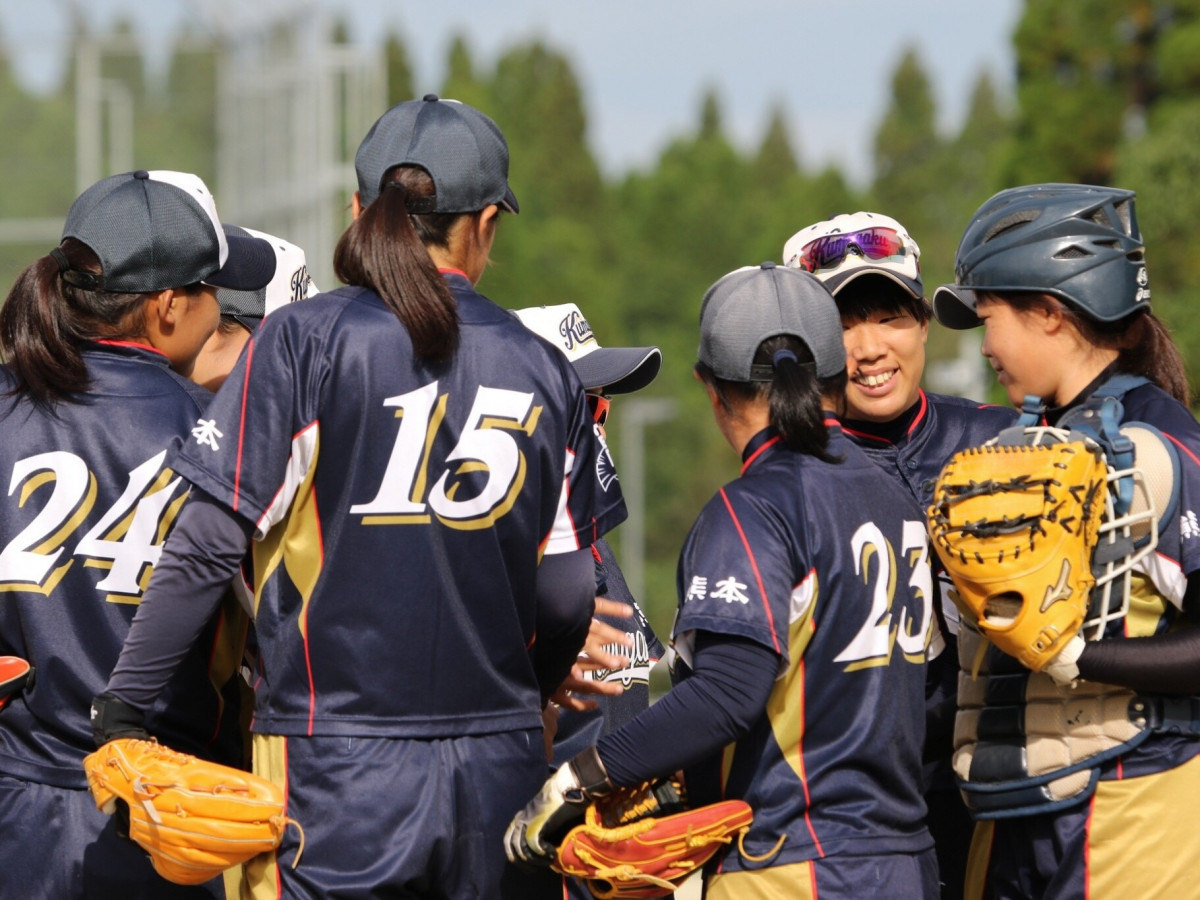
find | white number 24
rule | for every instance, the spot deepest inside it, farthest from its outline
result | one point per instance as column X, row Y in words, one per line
column 127, row 540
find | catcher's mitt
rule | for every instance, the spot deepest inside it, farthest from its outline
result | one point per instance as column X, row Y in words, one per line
column 643, row 842
column 1016, row 527
column 194, row 818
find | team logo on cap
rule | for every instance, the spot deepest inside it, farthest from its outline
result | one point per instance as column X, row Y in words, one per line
column 301, row 281
column 575, row 329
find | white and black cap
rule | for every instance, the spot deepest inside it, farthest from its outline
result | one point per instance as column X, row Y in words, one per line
column 158, row 230
column 463, row 151
column 754, row 303
column 610, row 370
column 290, row 283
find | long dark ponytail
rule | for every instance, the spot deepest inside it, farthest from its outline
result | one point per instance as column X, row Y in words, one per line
column 45, row 322
column 795, row 394
column 384, row 250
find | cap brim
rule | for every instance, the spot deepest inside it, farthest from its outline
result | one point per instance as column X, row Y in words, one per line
column 839, row 280
column 954, row 307
column 618, row 370
column 510, row 201
column 249, row 266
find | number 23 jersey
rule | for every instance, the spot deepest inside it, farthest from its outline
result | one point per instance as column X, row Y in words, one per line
column 401, row 510
column 828, row 565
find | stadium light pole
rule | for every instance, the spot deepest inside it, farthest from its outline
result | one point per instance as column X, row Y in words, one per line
column 636, row 413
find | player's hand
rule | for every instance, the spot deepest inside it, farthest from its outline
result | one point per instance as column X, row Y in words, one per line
column 594, row 656
column 532, row 836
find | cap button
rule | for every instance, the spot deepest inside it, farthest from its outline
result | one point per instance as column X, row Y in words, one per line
column 141, row 174
column 767, row 265
column 430, row 98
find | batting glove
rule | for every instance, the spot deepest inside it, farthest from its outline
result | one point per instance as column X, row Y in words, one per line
column 535, row 831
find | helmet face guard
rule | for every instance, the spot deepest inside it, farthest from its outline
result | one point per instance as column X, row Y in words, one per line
column 1080, row 243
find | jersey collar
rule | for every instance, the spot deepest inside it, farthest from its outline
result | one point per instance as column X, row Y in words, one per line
column 894, row 431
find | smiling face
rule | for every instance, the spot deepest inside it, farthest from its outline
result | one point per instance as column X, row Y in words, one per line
column 885, row 349
column 1027, row 353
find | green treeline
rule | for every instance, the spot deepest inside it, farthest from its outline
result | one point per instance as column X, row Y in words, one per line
column 1106, row 91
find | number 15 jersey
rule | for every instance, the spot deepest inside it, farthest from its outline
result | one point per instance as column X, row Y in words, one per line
column 401, row 509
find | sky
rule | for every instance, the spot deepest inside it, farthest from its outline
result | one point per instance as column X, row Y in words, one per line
column 644, row 65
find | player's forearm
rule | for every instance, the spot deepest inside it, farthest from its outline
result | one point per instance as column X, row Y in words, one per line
column 199, row 560
column 1165, row 664
column 717, row 705
column 566, row 595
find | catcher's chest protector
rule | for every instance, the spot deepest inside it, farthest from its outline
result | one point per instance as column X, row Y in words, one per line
column 1025, row 745
column 1022, row 743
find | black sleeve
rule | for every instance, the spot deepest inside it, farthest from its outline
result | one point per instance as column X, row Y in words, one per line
column 566, row 599
column 1164, row 664
column 727, row 692
column 198, row 562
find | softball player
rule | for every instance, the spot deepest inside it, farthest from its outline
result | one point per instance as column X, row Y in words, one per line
column 1068, row 320
column 871, row 265
column 805, row 609
column 242, row 311
column 406, row 456
column 99, row 335
column 622, row 648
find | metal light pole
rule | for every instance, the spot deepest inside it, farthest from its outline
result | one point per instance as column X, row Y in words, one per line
column 636, row 414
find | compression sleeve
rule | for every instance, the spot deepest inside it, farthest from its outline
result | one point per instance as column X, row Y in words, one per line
column 727, row 692
column 198, row 563
column 566, row 598
column 1163, row 664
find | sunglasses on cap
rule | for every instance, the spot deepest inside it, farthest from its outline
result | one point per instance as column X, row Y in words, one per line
column 599, row 405
column 829, row 251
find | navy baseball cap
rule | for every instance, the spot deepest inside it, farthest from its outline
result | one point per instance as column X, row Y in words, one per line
column 754, row 303
column 462, row 150
column 291, row 282
column 158, row 230
column 610, row 370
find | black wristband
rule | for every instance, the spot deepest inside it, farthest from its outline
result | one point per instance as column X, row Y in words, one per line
column 590, row 773
column 113, row 718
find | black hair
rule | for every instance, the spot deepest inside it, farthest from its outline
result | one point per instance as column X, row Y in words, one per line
column 794, row 394
column 384, row 250
column 45, row 321
column 872, row 293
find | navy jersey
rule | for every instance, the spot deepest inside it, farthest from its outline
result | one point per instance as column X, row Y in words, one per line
column 87, row 505
column 400, row 510
column 580, row 729
column 827, row 565
column 1157, row 600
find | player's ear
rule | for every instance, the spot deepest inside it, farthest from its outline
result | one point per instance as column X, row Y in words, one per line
column 356, row 206
column 162, row 307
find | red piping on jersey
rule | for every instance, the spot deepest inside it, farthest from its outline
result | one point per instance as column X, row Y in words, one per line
column 812, row 879
column 754, row 565
column 237, row 470
column 1176, row 441
column 138, row 344
column 865, row 435
column 596, row 554
column 755, row 454
column 442, row 271
column 919, row 417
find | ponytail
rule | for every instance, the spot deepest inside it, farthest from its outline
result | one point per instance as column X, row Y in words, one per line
column 1146, row 349
column 382, row 250
column 45, row 322
column 795, row 395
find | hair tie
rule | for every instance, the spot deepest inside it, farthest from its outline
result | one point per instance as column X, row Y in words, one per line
column 781, row 355
column 61, row 259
